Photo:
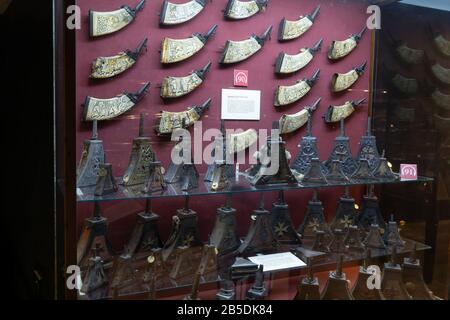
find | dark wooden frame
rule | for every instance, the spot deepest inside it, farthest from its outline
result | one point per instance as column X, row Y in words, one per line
column 64, row 48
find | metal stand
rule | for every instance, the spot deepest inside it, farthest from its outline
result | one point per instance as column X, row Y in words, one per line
column 95, row 277
column 336, row 173
column 260, row 238
column 346, row 214
column 185, row 263
column 337, row 244
column 342, row 152
column 337, row 285
column 155, row 179
column 370, row 213
column 281, row 222
column 392, row 286
column 258, row 291
column 392, row 236
column 413, row 278
column 227, row 290
column 141, row 156
column 184, row 231
column 220, row 148
column 124, row 273
column 276, row 153
column 189, row 177
column 145, row 236
column 308, row 289
column 314, row 175
column 92, row 156
column 94, row 235
column 314, row 218
column 361, row 290
column 363, row 172
column 106, row 184
column 353, row 240
column 224, row 235
column 320, row 242
column 374, row 239
column 368, row 148
column 384, row 171
column 308, row 151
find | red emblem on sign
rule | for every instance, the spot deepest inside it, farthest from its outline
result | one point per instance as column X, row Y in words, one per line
column 408, row 171
column 241, row 78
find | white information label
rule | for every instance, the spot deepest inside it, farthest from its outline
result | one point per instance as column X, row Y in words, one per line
column 238, row 104
column 278, row 261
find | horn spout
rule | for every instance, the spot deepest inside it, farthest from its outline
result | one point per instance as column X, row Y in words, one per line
column 314, row 78
column 314, row 14
column 209, row 33
column 135, row 97
column 317, row 46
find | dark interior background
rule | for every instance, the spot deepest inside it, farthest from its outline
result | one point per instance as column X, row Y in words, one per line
column 406, row 128
column 27, row 143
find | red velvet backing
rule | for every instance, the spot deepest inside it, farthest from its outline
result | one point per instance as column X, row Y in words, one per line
column 336, row 21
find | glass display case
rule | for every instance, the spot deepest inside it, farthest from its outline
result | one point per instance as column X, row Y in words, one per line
column 344, row 170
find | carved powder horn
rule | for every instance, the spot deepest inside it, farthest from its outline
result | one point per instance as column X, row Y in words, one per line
column 292, row 29
column 107, row 67
column 106, row 109
column 343, row 81
column 237, row 51
column 176, row 50
column 340, row 49
column 238, row 10
column 103, row 23
column 287, row 63
column 177, row 13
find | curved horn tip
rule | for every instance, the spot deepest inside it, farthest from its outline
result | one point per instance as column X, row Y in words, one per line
column 213, row 28
column 316, row 74
column 267, row 32
column 207, row 103
column 139, row 6
column 314, row 14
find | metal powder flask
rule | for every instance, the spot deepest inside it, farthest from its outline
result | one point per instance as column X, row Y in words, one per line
column 142, row 155
column 308, row 288
column 413, row 277
column 308, row 151
column 370, row 213
column 314, row 218
column 224, row 235
column 368, row 149
column 145, row 236
column 260, row 237
column 91, row 157
column 337, row 285
column 94, row 235
column 220, row 173
column 275, row 152
column 361, row 290
column 392, row 286
column 281, row 222
column 341, row 151
column 184, row 231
